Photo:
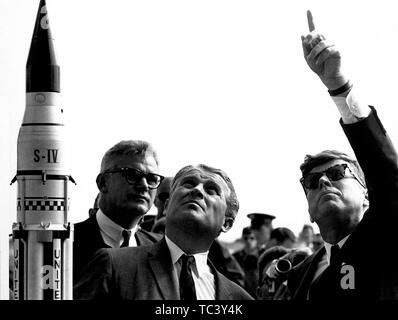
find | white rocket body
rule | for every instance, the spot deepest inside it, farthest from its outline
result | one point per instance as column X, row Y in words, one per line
column 43, row 238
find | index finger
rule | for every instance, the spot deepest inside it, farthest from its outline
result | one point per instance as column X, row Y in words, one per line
column 310, row 19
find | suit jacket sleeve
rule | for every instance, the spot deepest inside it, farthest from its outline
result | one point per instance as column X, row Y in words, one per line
column 373, row 239
column 378, row 159
column 96, row 280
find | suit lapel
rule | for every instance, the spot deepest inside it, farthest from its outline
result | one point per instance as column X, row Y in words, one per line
column 222, row 291
column 140, row 239
column 94, row 233
column 308, row 276
column 163, row 270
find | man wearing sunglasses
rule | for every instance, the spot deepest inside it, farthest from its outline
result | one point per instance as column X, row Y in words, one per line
column 356, row 210
column 202, row 204
column 127, row 186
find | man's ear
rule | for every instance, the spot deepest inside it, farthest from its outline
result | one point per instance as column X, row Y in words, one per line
column 102, row 183
column 228, row 222
column 166, row 204
column 366, row 200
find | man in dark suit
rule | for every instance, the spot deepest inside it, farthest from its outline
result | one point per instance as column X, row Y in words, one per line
column 127, row 185
column 357, row 220
column 218, row 253
column 202, row 204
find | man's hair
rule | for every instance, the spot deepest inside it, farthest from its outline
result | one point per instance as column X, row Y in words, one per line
column 246, row 231
column 136, row 148
column 282, row 234
column 308, row 226
column 312, row 161
column 232, row 200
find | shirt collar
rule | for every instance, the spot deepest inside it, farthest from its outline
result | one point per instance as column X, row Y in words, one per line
column 328, row 246
column 200, row 258
column 110, row 228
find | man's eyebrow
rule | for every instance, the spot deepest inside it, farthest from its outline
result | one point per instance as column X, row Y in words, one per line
column 188, row 177
column 213, row 183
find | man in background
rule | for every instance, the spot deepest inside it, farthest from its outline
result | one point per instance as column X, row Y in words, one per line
column 127, row 183
column 261, row 224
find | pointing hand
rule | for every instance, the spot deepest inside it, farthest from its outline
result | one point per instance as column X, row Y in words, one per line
column 322, row 57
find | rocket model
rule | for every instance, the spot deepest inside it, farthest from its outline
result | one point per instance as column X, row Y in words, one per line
column 43, row 238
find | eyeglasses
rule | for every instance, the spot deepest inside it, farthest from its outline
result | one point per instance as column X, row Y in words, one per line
column 335, row 173
column 132, row 176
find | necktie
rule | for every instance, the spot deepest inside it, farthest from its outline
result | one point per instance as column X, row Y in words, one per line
column 187, row 286
column 312, row 293
column 334, row 250
column 126, row 238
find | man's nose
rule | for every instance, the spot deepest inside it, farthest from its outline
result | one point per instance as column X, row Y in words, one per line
column 198, row 191
column 324, row 182
column 142, row 184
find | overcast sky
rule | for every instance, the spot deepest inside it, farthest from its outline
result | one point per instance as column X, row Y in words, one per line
column 216, row 82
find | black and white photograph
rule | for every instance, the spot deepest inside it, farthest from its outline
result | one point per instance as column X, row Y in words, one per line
column 221, row 150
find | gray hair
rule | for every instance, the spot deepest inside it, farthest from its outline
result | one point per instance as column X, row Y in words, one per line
column 232, row 200
column 137, row 148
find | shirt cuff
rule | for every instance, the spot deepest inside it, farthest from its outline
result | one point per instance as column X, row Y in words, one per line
column 350, row 108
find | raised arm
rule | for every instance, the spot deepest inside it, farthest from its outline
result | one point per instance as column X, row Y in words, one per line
column 364, row 130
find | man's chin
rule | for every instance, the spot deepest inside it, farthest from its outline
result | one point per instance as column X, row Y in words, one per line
column 329, row 200
column 139, row 209
column 328, row 208
column 194, row 215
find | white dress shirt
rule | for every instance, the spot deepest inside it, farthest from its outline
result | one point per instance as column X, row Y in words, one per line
column 112, row 233
column 350, row 108
column 202, row 276
column 325, row 261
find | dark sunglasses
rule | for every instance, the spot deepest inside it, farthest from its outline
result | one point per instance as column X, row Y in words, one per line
column 335, row 173
column 132, row 176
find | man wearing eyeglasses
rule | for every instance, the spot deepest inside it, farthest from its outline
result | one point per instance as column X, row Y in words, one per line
column 202, row 204
column 127, row 186
column 356, row 210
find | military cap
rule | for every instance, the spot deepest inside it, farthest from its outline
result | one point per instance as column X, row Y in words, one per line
column 259, row 219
